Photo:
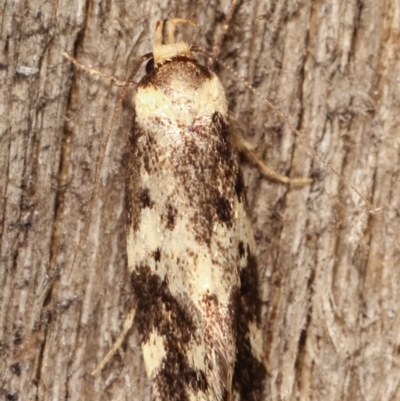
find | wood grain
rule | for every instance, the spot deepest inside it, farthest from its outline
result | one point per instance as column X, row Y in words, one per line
column 330, row 271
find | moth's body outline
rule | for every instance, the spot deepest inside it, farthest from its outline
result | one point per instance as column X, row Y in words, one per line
column 183, row 142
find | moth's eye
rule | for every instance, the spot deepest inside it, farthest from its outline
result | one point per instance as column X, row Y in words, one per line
column 150, row 66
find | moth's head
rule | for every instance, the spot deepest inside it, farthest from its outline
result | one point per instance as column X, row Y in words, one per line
column 165, row 46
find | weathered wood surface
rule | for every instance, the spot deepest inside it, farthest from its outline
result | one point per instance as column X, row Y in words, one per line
column 330, row 271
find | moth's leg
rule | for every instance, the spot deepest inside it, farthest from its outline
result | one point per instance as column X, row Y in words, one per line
column 244, row 146
column 92, row 71
column 117, row 345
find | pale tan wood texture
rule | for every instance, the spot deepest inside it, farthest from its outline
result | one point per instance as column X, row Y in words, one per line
column 330, row 271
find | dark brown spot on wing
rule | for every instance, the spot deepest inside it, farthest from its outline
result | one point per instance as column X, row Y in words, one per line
column 239, row 186
column 224, row 147
column 171, row 216
column 157, row 255
column 241, row 249
column 145, row 200
column 224, row 209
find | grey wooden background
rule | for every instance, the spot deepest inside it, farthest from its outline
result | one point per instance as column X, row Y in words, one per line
column 330, row 271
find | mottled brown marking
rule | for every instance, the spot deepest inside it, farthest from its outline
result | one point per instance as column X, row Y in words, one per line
column 210, row 184
column 145, row 200
column 224, row 209
column 241, row 249
column 239, row 186
column 153, row 300
column 225, row 145
column 157, row 255
column 171, row 216
column 16, row 369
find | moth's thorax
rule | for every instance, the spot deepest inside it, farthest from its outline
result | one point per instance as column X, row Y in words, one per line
column 182, row 90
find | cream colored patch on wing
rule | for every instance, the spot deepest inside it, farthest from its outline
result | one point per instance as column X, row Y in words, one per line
column 211, row 97
column 256, row 340
column 199, row 356
column 153, row 353
column 151, row 102
column 197, row 396
column 147, row 239
column 199, row 270
column 196, row 355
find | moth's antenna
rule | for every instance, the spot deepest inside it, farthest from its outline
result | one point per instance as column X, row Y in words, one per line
column 104, row 145
column 372, row 208
column 92, row 71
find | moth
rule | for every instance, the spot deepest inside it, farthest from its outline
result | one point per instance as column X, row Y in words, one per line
column 190, row 244
column 189, row 239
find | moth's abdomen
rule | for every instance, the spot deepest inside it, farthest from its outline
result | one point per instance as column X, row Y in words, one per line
column 188, row 234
